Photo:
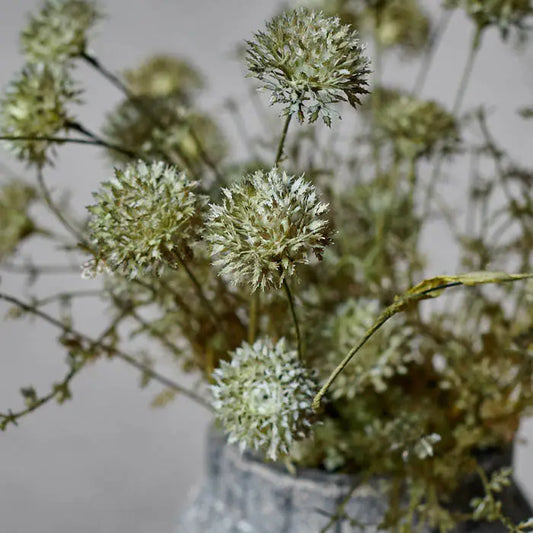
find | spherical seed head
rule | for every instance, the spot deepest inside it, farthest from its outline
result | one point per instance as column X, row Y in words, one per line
column 163, row 75
column 263, row 397
column 309, row 61
column 266, row 225
column 129, row 126
column 145, row 217
column 389, row 352
column 59, row 31
column 503, row 14
column 15, row 222
column 35, row 105
column 399, row 23
column 416, row 127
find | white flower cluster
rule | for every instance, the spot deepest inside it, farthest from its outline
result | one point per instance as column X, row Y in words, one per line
column 265, row 226
column 263, row 397
column 309, row 61
column 58, row 32
column 144, row 217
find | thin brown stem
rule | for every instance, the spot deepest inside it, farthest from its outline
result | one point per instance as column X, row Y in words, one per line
column 123, row 356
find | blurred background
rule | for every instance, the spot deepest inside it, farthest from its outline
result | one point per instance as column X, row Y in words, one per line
column 106, row 461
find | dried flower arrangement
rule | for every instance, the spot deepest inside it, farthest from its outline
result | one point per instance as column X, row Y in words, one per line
column 283, row 281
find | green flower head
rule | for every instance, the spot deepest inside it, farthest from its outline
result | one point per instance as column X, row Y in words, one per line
column 309, row 61
column 394, row 23
column 35, row 105
column 163, row 75
column 266, row 225
column 504, row 14
column 416, row 128
column 129, row 126
column 59, row 31
column 263, row 396
column 15, row 223
column 145, row 218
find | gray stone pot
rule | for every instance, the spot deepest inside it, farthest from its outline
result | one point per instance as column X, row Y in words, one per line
column 243, row 495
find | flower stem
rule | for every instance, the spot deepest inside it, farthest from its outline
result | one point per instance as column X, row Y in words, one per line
column 294, row 318
column 279, row 153
column 199, row 290
column 254, row 311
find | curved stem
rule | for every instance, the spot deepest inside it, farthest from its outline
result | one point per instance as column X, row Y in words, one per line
column 122, row 87
column 431, row 50
column 467, row 71
column 199, row 290
column 281, row 144
column 56, row 210
column 294, row 318
column 76, row 126
column 68, row 140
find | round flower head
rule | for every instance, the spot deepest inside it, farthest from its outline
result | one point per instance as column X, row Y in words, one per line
column 58, row 32
column 163, row 75
column 127, row 125
column 398, row 23
column 309, row 61
column 263, row 397
column 35, row 105
column 145, row 217
column 416, row 127
column 15, row 223
column 386, row 354
column 503, row 14
column 266, row 225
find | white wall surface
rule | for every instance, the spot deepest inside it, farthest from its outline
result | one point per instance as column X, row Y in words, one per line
column 105, row 461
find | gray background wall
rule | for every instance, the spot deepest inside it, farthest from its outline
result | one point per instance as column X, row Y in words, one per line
column 105, row 461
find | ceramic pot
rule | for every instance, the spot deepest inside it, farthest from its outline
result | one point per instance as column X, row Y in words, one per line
column 241, row 494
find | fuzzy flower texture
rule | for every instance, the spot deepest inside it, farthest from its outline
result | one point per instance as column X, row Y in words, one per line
column 58, row 32
column 37, row 105
column 263, row 397
column 309, row 61
column 144, row 218
column 503, row 14
column 265, row 226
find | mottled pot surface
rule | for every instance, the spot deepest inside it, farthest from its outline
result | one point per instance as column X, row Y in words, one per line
column 243, row 495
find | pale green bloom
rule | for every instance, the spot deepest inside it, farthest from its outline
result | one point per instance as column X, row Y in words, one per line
column 164, row 75
column 130, row 126
column 309, row 61
column 59, row 31
column 266, row 225
column 36, row 105
column 144, row 218
column 400, row 23
column 415, row 127
column 263, row 397
column 503, row 14
column 15, row 222
column 388, row 353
